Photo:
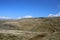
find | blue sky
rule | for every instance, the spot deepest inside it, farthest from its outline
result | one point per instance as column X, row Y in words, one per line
column 35, row 8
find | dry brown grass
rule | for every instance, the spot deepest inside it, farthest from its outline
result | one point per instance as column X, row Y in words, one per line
column 29, row 28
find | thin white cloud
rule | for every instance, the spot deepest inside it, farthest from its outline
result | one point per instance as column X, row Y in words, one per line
column 3, row 17
column 59, row 6
column 54, row 15
column 25, row 17
column 18, row 18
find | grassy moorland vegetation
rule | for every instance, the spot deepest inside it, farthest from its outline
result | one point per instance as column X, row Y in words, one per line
column 30, row 29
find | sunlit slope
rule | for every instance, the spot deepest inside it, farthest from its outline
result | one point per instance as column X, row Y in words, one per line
column 30, row 29
column 33, row 24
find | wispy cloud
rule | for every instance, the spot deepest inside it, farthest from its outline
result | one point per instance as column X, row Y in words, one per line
column 58, row 6
column 25, row 17
column 4, row 17
column 54, row 15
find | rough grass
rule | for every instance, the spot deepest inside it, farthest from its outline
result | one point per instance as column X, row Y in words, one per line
column 52, row 36
column 33, row 24
column 51, row 25
column 9, row 37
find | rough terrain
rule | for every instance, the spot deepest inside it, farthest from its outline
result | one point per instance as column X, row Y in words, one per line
column 30, row 29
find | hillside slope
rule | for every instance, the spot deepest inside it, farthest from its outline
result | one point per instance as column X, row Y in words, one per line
column 30, row 29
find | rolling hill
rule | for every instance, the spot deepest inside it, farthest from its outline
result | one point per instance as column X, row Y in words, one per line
column 41, row 28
